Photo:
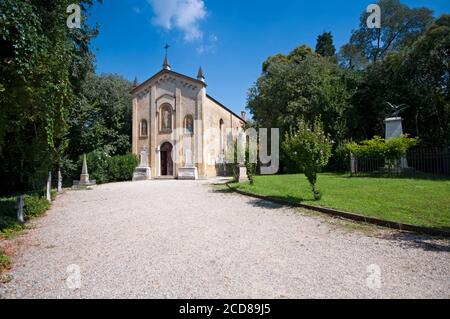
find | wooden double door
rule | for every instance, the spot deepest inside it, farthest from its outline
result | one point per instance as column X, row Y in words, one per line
column 166, row 159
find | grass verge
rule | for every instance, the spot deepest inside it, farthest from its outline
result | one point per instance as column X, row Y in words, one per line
column 422, row 202
column 35, row 206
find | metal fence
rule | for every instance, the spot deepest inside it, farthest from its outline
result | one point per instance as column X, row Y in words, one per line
column 418, row 162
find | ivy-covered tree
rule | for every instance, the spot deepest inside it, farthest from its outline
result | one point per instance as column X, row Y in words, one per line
column 40, row 60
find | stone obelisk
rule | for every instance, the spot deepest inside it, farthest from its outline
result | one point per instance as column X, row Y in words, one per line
column 84, row 177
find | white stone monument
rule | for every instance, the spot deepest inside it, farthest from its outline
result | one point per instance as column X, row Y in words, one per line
column 188, row 171
column 394, row 128
column 20, row 205
column 60, row 181
column 49, row 187
column 143, row 171
column 242, row 169
column 84, row 177
column 243, row 177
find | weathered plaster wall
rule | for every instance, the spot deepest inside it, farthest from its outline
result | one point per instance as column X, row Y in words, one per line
column 185, row 97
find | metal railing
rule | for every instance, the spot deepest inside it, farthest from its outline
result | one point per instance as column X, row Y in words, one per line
column 417, row 162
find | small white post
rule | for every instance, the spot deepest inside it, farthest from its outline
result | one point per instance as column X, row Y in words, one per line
column 20, row 205
column 352, row 164
column 59, row 181
column 49, row 186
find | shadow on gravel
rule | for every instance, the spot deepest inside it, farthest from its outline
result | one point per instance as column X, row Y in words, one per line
column 265, row 204
column 424, row 242
column 221, row 190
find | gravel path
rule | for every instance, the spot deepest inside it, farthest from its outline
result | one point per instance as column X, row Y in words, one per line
column 175, row 239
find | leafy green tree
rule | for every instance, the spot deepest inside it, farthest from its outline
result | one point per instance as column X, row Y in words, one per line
column 309, row 148
column 351, row 57
column 400, row 27
column 417, row 77
column 325, row 46
column 102, row 120
column 428, row 87
column 302, row 85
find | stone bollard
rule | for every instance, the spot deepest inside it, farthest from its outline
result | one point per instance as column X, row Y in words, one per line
column 59, row 182
column 242, row 171
column 20, row 205
column 49, row 187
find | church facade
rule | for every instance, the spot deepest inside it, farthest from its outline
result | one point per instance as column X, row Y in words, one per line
column 179, row 131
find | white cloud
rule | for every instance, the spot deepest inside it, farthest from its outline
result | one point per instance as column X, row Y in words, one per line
column 210, row 46
column 137, row 10
column 182, row 14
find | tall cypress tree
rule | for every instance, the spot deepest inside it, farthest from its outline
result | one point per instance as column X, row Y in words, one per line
column 325, row 46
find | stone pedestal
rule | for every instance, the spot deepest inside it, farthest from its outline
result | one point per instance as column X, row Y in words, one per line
column 394, row 128
column 142, row 174
column 243, row 177
column 188, row 173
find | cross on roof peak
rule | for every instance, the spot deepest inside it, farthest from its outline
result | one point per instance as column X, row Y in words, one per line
column 166, row 65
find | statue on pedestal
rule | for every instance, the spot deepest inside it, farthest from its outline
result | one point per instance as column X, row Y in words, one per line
column 189, row 171
column 143, row 171
column 394, row 126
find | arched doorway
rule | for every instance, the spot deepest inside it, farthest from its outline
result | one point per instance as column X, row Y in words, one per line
column 166, row 159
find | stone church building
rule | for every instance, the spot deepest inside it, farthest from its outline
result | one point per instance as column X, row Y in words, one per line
column 179, row 131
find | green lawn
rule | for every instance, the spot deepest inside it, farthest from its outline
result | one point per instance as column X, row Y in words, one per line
column 424, row 202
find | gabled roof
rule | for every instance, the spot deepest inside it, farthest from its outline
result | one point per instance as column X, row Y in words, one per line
column 165, row 71
column 224, row 107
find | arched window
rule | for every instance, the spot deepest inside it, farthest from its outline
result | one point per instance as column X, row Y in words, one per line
column 222, row 149
column 189, row 125
column 166, row 118
column 143, row 132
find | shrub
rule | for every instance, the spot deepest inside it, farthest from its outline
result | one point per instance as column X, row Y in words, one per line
column 251, row 167
column 378, row 148
column 5, row 263
column 232, row 157
column 35, row 206
column 121, row 167
column 104, row 168
column 97, row 162
column 310, row 149
column 340, row 158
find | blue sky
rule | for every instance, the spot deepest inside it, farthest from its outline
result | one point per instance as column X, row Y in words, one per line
column 229, row 38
